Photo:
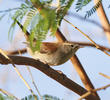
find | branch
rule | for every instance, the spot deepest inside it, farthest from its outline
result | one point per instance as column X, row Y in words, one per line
column 8, row 94
column 18, row 72
column 103, row 48
column 59, row 77
column 94, row 90
column 97, row 46
column 106, row 76
column 104, row 21
column 78, row 66
column 87, row 20
column 21, row 51
column 86, row 81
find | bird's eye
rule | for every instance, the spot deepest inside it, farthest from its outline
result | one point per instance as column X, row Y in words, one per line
column 72, row 45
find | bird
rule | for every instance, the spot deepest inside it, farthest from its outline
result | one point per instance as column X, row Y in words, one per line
column 51, row 53
column 54, row 54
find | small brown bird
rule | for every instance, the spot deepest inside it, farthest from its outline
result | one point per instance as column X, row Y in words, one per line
column 51, row 53
column 54, row 53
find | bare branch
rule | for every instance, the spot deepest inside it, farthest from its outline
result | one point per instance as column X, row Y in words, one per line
column 94, row 90
column 75, row 15
column 88, row 20
column 97, row 46
column 86, row 81
column 104, row 20
column 59, row 77
column 103, row 48
column 18, row 72
column 8, row 94
column 106, row 76
column 29, row 70
column 78, row 66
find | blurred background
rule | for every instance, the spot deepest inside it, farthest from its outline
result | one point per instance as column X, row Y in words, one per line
column 93, row 60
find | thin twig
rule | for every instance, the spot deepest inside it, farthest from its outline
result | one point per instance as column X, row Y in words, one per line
column 106, row 76
column 97, row 46
column 14, row 52
column 32, row 79
column 78, row 66
column 18, row 72
column 103, row 19
column 34, row 83
column 92, row 91
column 8, row 94
column 88, row 20
column 46, row 69
column 85, row 79
column 83, row 33
column 75, row 15
column 103, row 48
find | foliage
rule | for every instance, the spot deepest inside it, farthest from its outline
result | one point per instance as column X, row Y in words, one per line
column 47, row 19
column 49, row 97
column 62, row 10
column 45, row 97
column 44, row 18
column 30, row 97
column 93, row 9
column 19, row 14
column 40, row 22
column 5, row 97
column 40, row 25
column 81, row 3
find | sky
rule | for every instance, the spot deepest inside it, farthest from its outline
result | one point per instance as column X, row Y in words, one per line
column 93, row 60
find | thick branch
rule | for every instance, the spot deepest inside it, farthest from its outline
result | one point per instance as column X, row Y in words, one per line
column 59, row 77
column 78, row 66
column 103, row 19
column 87, row 83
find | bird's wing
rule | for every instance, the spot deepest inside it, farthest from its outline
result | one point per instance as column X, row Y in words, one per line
column 48, row 48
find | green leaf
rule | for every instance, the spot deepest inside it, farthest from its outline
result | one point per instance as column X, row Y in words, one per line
column 6, row 97
column 40, row 23
column 81, row 3
column 62, row 11
column 45, row 97
column 29, row 17
column 19, row 14
column 49, row 97
column 93, row 9
column 1, row 97
column 62, row 2
column 30, row 97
